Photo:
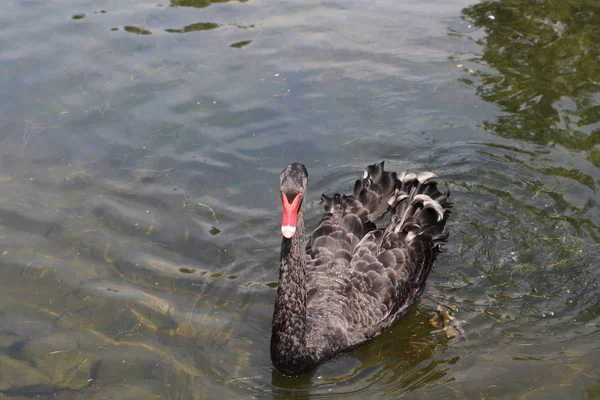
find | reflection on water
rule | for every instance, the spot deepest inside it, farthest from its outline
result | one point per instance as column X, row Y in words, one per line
column 538, row 65
column 398, row 363
column 545, row 74
column 138, row 208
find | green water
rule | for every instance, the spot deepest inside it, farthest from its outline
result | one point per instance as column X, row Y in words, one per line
column 140, row 144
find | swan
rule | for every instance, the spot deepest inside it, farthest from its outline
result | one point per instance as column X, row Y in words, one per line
column 349, row 280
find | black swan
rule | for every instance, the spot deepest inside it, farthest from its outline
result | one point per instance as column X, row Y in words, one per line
column 352, row 281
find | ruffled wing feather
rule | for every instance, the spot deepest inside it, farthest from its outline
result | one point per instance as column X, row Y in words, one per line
column 361, row 279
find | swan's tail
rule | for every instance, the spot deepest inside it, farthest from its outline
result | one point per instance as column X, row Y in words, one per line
column 369, row 200
column 419, row 214
column 416, row 205
column 375, row 190
column 378, row 192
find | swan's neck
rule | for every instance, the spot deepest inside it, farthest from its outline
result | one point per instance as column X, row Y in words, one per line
column 288, row 338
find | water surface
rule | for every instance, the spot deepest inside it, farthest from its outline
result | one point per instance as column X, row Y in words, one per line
column 140, row 145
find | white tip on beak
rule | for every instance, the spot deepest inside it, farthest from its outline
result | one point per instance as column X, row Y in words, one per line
column 288, row 231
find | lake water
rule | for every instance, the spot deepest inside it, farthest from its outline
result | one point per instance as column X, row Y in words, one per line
column 140, row 146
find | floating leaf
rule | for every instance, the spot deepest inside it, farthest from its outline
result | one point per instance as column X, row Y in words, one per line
column 199, row 3
column 200, row 26
column 136, row 30
column 239, row 45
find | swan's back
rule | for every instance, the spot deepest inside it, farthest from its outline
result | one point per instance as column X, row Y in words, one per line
column 361, row 279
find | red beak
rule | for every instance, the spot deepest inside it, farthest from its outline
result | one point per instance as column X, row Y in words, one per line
column 290, row 212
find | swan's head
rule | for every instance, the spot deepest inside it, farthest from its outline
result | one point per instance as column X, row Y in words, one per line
column 292, row 184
